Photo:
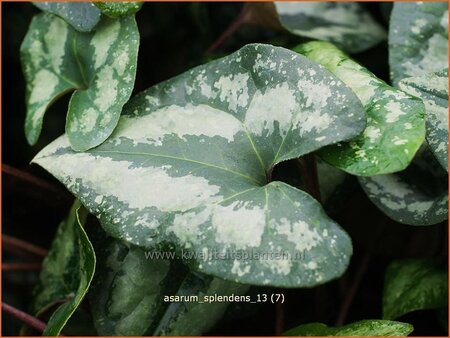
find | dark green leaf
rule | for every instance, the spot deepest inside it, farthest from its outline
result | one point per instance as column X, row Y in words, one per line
column 99, row 66
column 416, row 196
column 83, row 16
column 66, row 273
column 128, row 293
column 115, row 9
column 395, row 121
column 433, row 90
column 418, row 35
column 347, row 24
column 414, row 284
column 187, row 165
column 330, row 179
column 372, row 327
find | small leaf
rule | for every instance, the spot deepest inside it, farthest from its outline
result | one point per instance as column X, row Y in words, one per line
column 66, row 273
column 370, row 327
column 99, row 66
column 433, row 90
column 395, row 121
column 347, row 25
column 128, row 293
column 115, row 9
column 418, row 35
column 415, row 196
column 188, row 162
column 83, row 16
column 414, row 284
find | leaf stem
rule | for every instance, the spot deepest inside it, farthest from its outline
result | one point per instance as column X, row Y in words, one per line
column 311, row 178
column 9, row 242
column 232, row 28
column 24, row 317
column 25, row 176
column 345, row 307
column 279, row 316
column 21, row 266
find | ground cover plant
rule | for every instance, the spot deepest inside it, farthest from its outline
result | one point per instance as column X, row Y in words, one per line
column 225, row 169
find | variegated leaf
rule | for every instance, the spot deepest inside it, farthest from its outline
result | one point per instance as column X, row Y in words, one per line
column 83, row 16
column 416, row 196
column 372, row 328
column 414, row 284
column 100, row 67
column 114, row 9
column 191, row 157
column 395, row 120
column 66, row 273
column 418, row 36
column 433, row 90
column 129, row 291
column 347, row 25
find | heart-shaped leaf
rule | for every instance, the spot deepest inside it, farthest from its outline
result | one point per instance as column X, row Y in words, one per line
column 415, row 196
column 190, row 159
column 414, row 284
column 433, row 90
column 100, row 66
column 83, row 16
column 66, row 273
column 395, row 121
column 371, row 327
column 347, row 24
column 115, row 9
column 137, row 292
column 418, row 35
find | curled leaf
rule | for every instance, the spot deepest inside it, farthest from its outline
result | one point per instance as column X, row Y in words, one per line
column 137, row 292
column 83, row 16
column 370, row 327
column 395, row 120
column 189, row 163
column 66, row 273
column 414, row 284
column 347, row 24
column 415, row 196
column 433, row 90
column 418, row 35
column 100, row 67
column 114, row 9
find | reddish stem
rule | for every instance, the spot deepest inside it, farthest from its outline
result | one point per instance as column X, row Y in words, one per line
column 15, row 243
column 279, row 316
column 312, row 178
column 353, row 289
column 24, row 317
column 345, row 307
column 25, row 176
column 21, row 266
column 232, row 28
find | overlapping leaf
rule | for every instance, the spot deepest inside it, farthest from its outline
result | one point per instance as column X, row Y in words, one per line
column 188, row 162
column 416, row 196
column 347, row 25
column 414, row 284
column 99, row 66
column 128, row 293
column 418, row 36
column 374, row 328
column 433, row 90
column 395, row 120
column 114, row 9
column 66, row 273
column 83, row 16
